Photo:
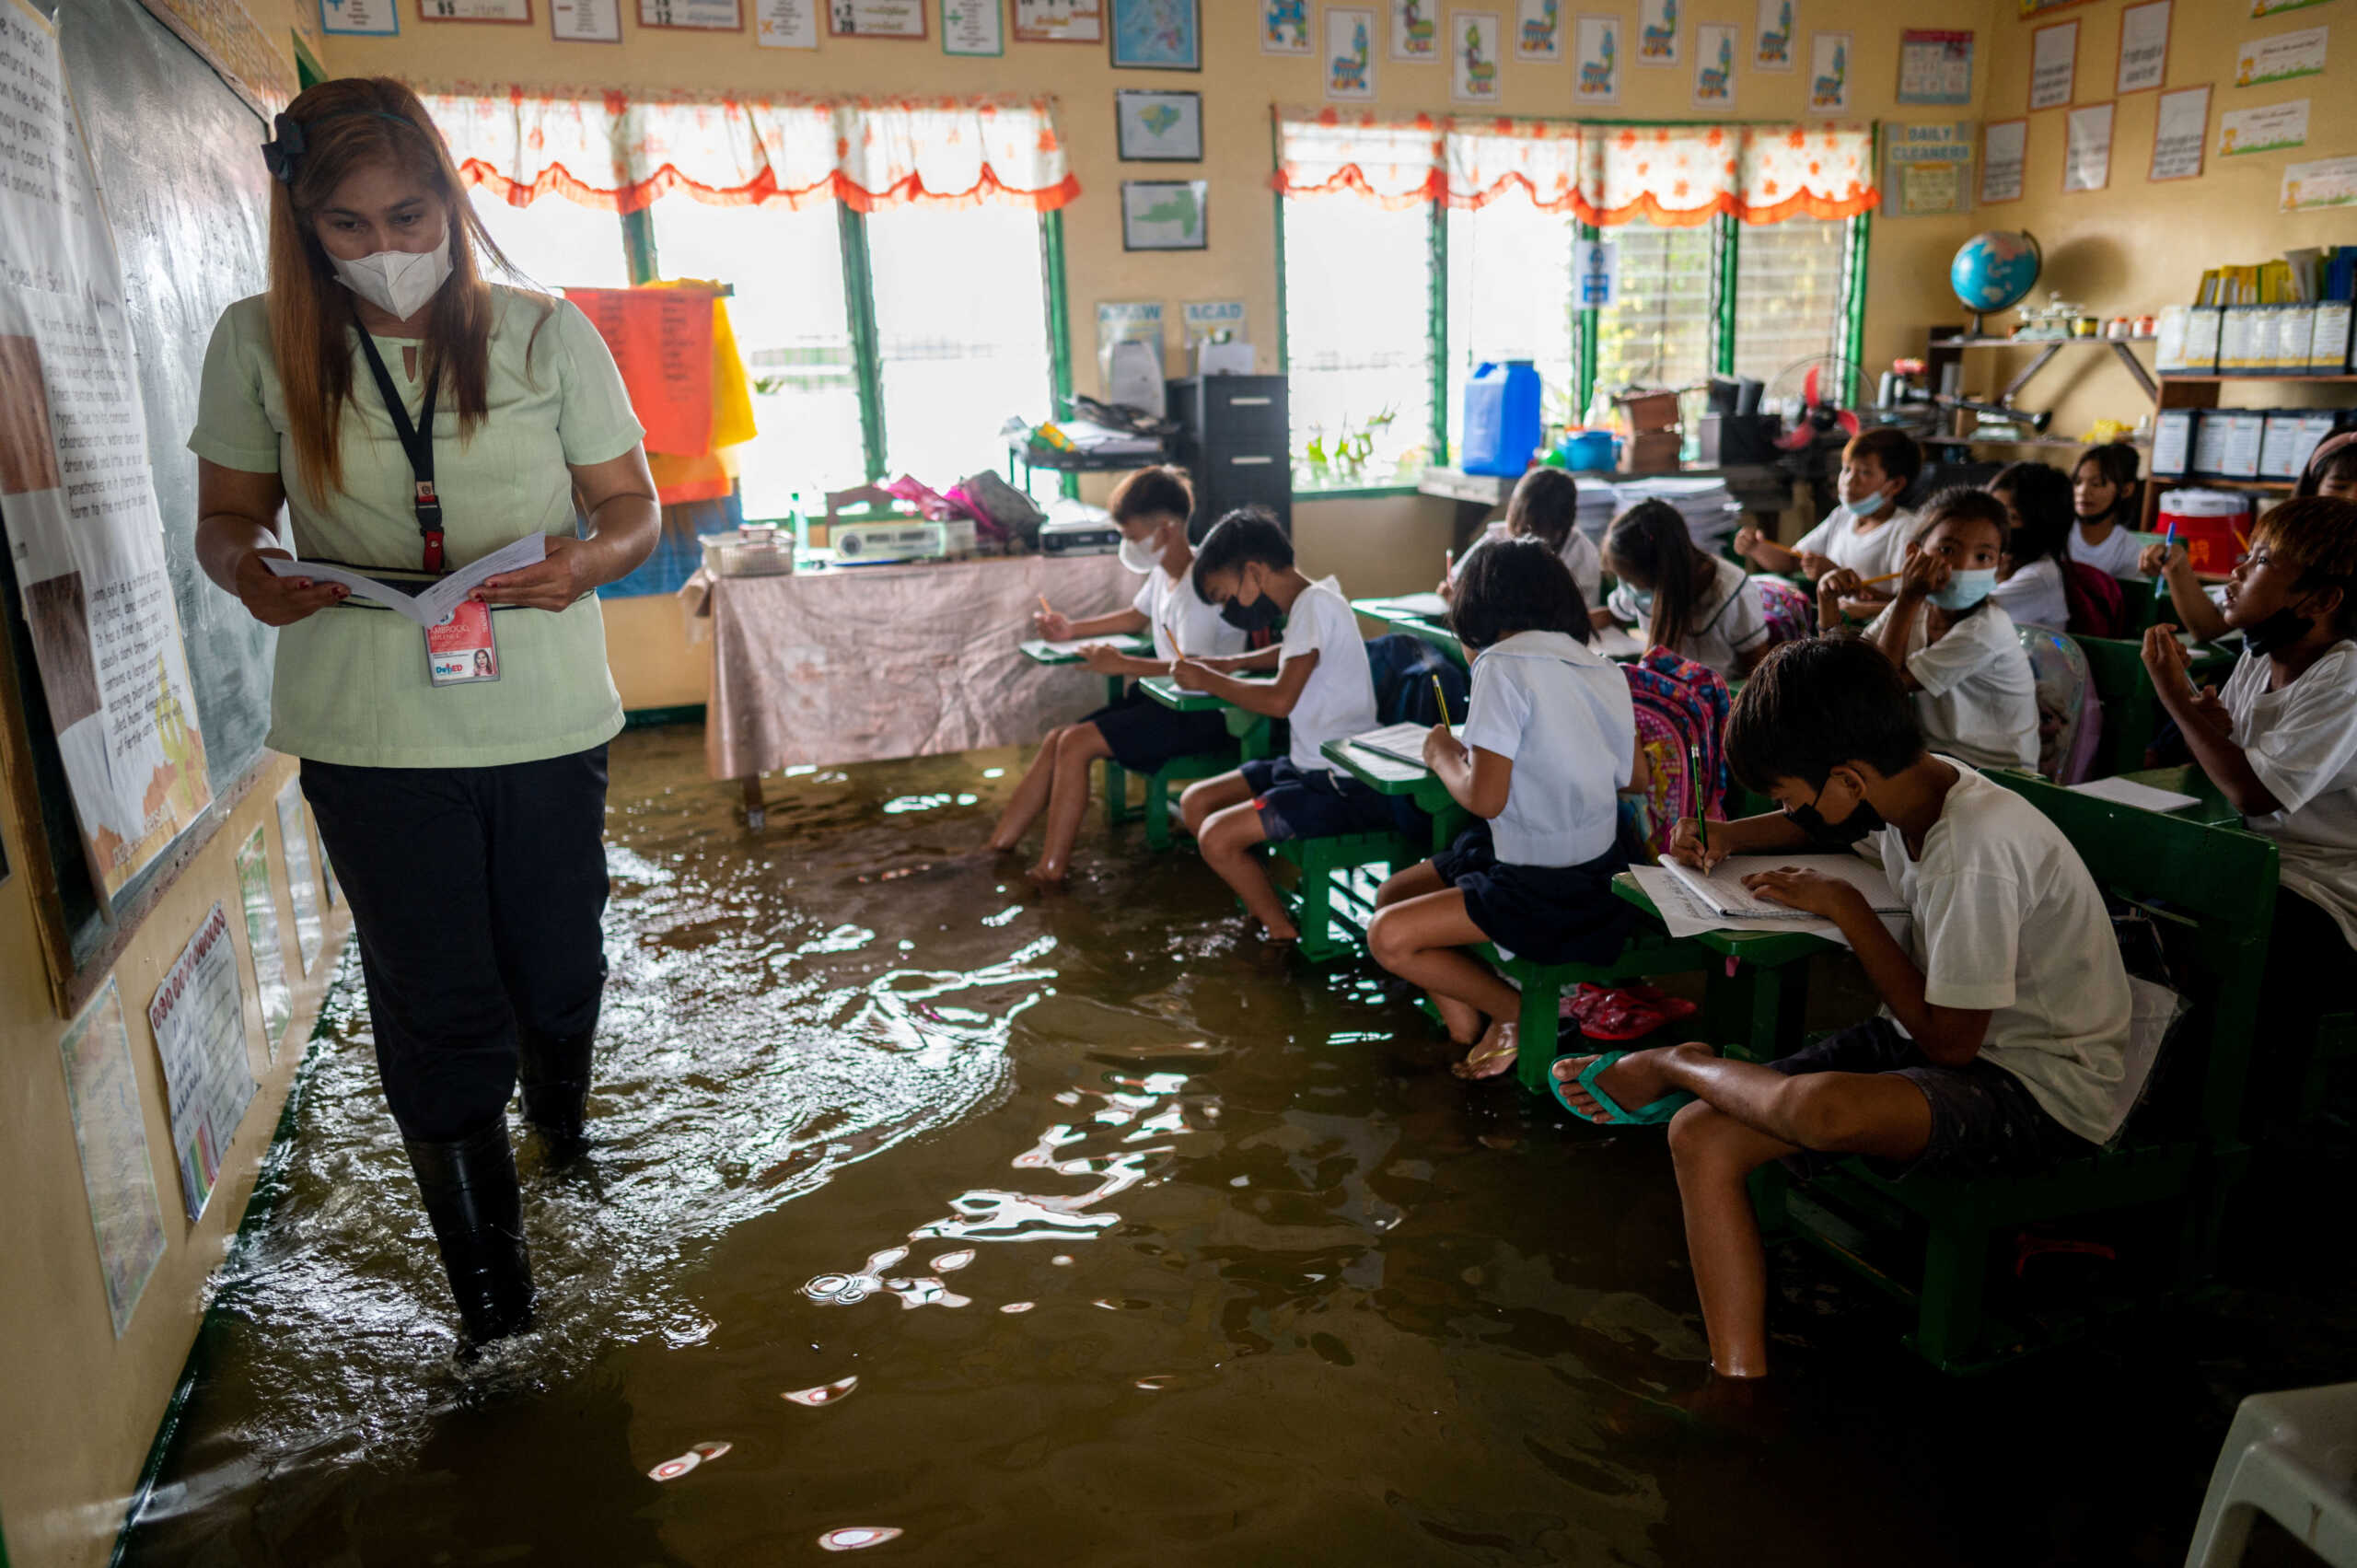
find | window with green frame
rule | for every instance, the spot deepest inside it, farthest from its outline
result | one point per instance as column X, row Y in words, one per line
column 877, row 345
column 1495, row 283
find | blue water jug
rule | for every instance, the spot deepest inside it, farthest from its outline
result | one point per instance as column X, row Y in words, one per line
column 1502, row 418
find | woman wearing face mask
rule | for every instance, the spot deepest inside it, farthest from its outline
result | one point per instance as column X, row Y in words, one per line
column 1151, row 508
column 410, row 418
column 1955, row 651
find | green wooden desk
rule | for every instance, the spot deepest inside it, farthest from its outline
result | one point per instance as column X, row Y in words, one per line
column 1759, row 993
column 1251, row 730
column 1389, row 775
column 1037, row 650
column 2212, row 808
column 2131, row 708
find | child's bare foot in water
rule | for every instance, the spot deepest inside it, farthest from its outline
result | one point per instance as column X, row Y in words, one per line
column 1494, row 1054
column 1464, row 1022
column 1639, row 1078
column 1045, row 876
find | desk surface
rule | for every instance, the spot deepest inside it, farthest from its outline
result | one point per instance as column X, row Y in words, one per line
column 2211, row 807
column 1170, row 694
column 1769, row 949
column 1037, row 650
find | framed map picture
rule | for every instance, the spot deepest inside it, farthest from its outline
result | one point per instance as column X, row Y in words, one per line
column 1158, row 35
column 1164, row 214
column 1158, row 127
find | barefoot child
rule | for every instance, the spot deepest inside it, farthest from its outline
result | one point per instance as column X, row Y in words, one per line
column 1323, row 687
column 1699, row 606
column 2004, row 1015
column 1867, row 531
column 1551, row 736
column 1974, row 691
column 1546, row 506
column 1151, row 508
column 2107, row 499
column 2282, row 741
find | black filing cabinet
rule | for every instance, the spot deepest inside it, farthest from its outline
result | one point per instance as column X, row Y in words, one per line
column 1235, row 441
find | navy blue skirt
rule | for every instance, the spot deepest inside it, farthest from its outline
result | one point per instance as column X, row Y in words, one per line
column 1549, row 914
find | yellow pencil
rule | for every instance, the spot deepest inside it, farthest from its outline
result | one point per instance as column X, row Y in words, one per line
column 1441, row 693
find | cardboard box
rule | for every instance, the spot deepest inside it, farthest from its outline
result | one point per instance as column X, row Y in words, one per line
column 1653, row 452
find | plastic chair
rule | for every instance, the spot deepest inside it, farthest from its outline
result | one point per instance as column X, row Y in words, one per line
column 2293, row 1457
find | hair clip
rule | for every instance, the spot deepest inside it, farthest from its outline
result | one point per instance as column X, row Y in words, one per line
column 279, row 155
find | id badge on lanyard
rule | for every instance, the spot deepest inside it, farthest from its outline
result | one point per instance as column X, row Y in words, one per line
column 464, row 649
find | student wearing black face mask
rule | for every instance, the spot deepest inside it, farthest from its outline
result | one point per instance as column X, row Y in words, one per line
column 2281, row 741
column 2005, row 1012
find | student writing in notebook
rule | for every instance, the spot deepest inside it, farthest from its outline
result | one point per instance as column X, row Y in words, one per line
column 1699, row 606
column 1151, row 508
column 2281, row 741
column 1546, row 506
column 1549, row 738
column 1323, row 686
column 1999, row 1048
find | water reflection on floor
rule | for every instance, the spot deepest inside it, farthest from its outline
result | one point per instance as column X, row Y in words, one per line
column 936, row 1218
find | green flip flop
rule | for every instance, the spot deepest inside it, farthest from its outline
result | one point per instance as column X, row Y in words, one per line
column 1651, row 1115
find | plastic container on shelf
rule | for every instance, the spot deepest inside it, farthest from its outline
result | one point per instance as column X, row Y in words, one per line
column 1587, row 451
column 1502, row 423
column 2207, row 522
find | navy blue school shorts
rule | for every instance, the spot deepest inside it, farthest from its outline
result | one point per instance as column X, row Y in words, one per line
column 1143, row 734
column 1985, row 1122
column 1295, row 803
column 1550, row 915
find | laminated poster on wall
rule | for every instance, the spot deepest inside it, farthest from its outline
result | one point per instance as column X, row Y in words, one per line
column 876, row 18
column 2327, row 183
column 199, row 1019
column 2004, row 148
column 586, row 21
column 509, row 11
column 2280, row 58
column 1935, row 66
column 1771, row 37
column 295, row 843
column 262, row 944
column 2086, row 148
column 1126, row 321
column 1714, row 67
column 2271, row 7
column 1202, row 319
column 1930, row 169
column 1415, row 30
column 1539, row 31
column 1658, row 32
column 973, row 27
column 111, row 1135
column 2143, row 47
column 2180, row 132
column 1349, row 53
column 84, row 530
column 1158, row 35
column 692, row 16
column 1473, row 57
column 2053, row 63
column 1596, row 57
column 2269, row 128
column 787, row 24
column 1284, row 27
column 1828, row 73
column 1059, row 21
column 361, row 18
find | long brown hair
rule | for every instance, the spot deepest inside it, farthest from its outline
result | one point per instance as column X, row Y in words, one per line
column 350, row 123
column 1651, row 537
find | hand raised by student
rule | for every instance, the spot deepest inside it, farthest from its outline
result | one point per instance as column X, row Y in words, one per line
column 2152, row 559
column 281, row 601
column 1103, row 658
column 2207, row 708
column 1446, row 588
column 1052, row 624
column 2164, row 662
column 1831, row 589
column 1189, row 675
column 1747, row 539
column 1811, row 891
column 1688, row 847
column 1442, row 747
column 1816, row 565
column 1924, row 574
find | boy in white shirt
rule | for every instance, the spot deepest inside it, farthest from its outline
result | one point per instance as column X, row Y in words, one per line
column 1323, row 687
column 2281, row 742
column 1974, row 693
column 1151, row 507
column 1550, row 737
column 2001, row 1042
column 1867, row 532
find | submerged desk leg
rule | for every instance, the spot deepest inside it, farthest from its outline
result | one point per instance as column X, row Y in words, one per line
column 756, row 809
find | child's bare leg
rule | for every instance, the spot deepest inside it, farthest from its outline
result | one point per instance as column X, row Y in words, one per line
column 1714, row 1154
column 1200, row 799
column 1413, row 883
column 1422, row 940
column 1030, row 795
column 1226, row 838
column 1076, row 756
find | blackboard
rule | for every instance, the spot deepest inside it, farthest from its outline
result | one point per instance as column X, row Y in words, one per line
column 180, row 169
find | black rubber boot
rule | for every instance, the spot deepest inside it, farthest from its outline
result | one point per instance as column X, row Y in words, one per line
column 555, row 1073
column 477, row 1218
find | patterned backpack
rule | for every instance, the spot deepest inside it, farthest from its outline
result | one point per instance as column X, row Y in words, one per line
column 1792, row 614
column 1681, row 708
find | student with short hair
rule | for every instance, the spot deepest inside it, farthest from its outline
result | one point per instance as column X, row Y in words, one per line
column 1956, row 650
column 1550, row 739
column 1868, row 530
column 2331, row 471
column 2001, row 1046
column 2107, row 500
column 1546, row 506
column 1323, row 687
column 2036, row 499
column 1151, row 507
column 1700, row 607
column 2281, row 741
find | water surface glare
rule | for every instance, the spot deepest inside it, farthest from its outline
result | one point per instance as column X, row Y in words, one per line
column 1134, row 1247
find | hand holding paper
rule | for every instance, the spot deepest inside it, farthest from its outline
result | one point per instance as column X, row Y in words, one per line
column 433, row 605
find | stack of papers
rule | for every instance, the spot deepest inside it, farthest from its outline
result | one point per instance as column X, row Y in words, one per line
column 1722, row 892
column 1710, row 510
column 1104, row 441
column 2127, row 792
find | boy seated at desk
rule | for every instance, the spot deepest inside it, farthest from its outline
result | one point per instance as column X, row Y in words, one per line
column 2331, row 471
column 2281, row 743
column 2005, row 1014
column 1151, row 508
column 1323, row 687
column 1867, row 532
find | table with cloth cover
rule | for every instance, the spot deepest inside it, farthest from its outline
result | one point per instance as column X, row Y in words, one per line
column 865, row 664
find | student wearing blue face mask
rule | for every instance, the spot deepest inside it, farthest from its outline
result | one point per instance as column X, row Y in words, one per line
column 1868, row 531
column 1957, row 651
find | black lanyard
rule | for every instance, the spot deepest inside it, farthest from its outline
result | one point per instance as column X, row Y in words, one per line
column 418, row 442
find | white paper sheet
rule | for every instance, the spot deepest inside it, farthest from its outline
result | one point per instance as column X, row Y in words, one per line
column 1618, row 642
column 1723, row 891
column 1428, row 607
column 1403, row 742
column 433, row 605
column 1071, row 649
column 2127, row 792
column 1683, row 915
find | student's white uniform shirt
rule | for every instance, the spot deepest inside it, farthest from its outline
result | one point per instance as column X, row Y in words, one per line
column 2302, row 742
column 1182, row 621
column 2116, row 555
column 1561, row 714
column 1730, row 620
column 1338, row 700
column 2007, row 921
column 1579, row 553
column 1980, row 696
column 1868, row 554
column 2034, row 597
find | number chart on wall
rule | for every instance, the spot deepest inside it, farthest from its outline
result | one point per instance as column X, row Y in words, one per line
column 699, row 16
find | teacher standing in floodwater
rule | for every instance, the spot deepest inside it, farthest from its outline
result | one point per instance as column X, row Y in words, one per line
column 412, row 417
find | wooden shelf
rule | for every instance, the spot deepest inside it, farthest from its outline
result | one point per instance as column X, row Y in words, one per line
column 2180, row 376
column 2141, row 442
column 2032, row 343
column 2196, row 482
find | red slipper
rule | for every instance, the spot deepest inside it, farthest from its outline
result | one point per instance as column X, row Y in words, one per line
column 1671, row 1008
column 1622, row 1017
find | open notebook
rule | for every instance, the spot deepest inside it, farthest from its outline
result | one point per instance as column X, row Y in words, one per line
column 1403, row 741
column 1723, row 892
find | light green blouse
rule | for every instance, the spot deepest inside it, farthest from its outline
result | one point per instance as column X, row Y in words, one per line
column 351, row 683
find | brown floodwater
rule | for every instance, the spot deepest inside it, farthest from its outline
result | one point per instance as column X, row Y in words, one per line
column 983, row 1226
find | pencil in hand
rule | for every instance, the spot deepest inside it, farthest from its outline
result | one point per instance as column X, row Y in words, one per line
column 1440, row 693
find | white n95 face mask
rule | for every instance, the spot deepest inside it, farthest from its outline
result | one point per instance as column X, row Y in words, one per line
column 1139, row 556
column 399, row 281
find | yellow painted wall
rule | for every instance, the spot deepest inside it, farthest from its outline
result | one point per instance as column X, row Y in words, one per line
column 78, row 1408
column 2138, row 245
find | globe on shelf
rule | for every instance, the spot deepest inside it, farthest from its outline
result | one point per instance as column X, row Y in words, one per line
column 1994, row 271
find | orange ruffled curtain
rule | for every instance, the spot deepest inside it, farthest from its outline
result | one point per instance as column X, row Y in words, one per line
column 1672, row 176
column 620, row 151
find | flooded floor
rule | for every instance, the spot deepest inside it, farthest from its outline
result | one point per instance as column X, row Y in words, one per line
column 968, row 1226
